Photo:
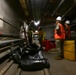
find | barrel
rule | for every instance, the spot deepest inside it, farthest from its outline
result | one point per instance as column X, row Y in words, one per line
column 70, row 49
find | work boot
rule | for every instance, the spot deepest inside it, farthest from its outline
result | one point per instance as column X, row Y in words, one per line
column 58, row 58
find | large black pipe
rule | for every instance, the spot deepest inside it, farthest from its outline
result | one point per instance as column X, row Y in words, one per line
column 6, row 47
column 10, row 41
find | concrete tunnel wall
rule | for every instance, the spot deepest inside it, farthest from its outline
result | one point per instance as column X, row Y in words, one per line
column 8, row 14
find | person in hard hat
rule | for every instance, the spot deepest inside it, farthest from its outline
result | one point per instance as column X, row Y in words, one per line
column 59, row 35
column 67, row 29
column 40, row 36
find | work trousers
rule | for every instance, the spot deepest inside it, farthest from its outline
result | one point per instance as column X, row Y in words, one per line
column 59, row 47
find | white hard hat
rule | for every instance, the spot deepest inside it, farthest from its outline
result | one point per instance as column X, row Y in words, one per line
column 67, row 22
column 59, row 18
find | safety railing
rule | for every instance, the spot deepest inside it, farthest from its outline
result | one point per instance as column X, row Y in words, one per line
column 10, row 24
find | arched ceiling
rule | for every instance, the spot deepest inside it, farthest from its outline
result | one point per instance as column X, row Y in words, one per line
column 45, row 10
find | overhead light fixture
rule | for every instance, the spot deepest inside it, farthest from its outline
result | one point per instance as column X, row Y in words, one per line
column 37, row 23
column 36, row 31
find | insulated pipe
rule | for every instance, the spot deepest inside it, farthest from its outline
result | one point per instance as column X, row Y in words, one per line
column 9, row 46
column 8, row 51
column 4, row 53
column 4, row 48
column 58, row 7
column 9, row 41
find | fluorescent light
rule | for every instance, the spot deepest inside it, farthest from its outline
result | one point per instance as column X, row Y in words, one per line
column 36, row 23
column 36, row 31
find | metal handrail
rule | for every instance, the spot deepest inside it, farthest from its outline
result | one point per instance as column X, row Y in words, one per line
column 9, row 24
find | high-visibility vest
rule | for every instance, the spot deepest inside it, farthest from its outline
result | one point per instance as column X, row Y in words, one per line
column 62, row 32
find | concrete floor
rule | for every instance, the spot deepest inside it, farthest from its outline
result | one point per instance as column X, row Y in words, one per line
column 60, row 67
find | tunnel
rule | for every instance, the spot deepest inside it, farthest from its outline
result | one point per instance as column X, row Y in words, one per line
column 17, row 17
